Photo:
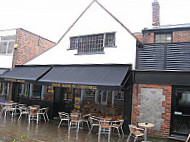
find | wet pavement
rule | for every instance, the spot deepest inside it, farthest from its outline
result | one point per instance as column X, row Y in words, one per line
column 12, row 130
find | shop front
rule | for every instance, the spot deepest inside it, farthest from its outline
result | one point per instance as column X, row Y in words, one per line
column 100, row 89
column 163, row 98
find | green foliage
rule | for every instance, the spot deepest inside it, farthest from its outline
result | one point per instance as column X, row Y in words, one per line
column 18, row 139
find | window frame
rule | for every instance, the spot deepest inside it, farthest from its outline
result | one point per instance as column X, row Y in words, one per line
column 89, row 40
column 5, row 39
column 163, row 33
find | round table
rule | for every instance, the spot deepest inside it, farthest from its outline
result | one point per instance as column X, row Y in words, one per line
column 108, row 118
column 146, row 125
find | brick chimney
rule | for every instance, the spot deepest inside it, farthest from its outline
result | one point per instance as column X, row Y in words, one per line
column 155, row 13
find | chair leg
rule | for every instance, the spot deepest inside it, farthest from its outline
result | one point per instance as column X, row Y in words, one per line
column 128, row 138
column 29, row 119
column 59, row 123
column 19, row 116
column 37, row 119
column 47, row 117
column 68, row 123
column 99, row 134
column 88, row 125
column 70, row 126
column 91, row 129
column 118, row 132
column 109, row 133
column 135, row 139
column 78, row 124
column 122, row 132
column 5, row 114
column 44, row 117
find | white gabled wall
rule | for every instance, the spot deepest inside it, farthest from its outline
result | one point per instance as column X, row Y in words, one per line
column 6, row 59
column 94, row 21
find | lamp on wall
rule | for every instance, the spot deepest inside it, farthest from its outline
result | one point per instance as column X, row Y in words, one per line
column 15, row 46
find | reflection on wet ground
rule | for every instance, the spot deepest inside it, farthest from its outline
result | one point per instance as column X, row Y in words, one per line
column 13, row 130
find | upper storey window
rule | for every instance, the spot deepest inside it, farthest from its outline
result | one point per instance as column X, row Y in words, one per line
column 92, row 44
column 7, row 44
column 163, row 37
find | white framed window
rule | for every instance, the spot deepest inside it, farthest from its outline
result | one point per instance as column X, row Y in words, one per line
column 7, row 44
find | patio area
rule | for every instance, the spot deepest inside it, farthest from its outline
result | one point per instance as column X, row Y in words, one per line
column 13, row 130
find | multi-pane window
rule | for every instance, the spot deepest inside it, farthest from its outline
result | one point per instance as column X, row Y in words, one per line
column 163, row 37
column 92, row 43
column 7, row 44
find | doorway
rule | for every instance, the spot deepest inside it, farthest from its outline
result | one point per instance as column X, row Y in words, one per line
column 180, row 121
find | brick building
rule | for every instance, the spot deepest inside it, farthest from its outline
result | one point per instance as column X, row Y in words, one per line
column 17, row 46
column 161, row 90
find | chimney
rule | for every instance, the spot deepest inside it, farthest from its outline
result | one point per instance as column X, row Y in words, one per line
column 155, row 13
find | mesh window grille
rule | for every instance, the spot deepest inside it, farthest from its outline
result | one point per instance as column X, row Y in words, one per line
column 92, row 43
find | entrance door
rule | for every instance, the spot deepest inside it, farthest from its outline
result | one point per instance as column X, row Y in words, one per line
column 180, row 111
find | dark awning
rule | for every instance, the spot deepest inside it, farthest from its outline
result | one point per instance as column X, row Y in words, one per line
column 30, row 73
column 96, row 75
column 2, row 71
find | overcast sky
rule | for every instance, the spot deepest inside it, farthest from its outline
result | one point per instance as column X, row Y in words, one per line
column 51, row 18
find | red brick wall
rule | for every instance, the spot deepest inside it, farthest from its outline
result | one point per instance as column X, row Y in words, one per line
column 178, row 36
column 149, row 37
column 167, row 91
column 29, row 46
column 181, row 36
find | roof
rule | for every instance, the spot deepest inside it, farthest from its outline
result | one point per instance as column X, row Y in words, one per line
column 85, row 10
column 94, row 19
column 170, row 27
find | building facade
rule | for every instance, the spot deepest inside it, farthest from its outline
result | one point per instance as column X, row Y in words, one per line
column 161, row 86
column 90, row 69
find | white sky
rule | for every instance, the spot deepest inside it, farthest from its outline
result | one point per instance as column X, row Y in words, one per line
column 51, row 18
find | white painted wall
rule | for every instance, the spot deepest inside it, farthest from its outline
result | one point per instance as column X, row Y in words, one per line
column 6, row 60
column 94, row 21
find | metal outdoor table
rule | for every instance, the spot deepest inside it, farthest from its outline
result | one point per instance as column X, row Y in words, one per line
column 146, row 125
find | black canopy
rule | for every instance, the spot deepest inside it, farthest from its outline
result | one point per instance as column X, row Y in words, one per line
column 99, row 75
column 2, row 71
column 31, row 73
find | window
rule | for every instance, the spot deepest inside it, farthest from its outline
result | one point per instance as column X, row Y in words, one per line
column 48, row 93
column 68, row 94
column 7, row 44
column 24, row 90
column 92, row 43
column 4, row 90
column 163, row 37
column 36, row 92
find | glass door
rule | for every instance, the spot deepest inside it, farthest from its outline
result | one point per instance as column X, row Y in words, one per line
column 181, row 111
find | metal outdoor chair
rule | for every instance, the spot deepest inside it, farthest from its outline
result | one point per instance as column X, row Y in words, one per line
column 94, row 122
column 9, row 109
column 43, row 112
column 33, row 115
column 188, row 138
column 63, row 117
column 74, row 121
column 23, row 111
column 105, row 128
column 135, row 132
column 85, row 119
column 118, row 125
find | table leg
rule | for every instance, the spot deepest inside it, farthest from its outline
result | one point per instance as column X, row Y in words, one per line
column 145, row 134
